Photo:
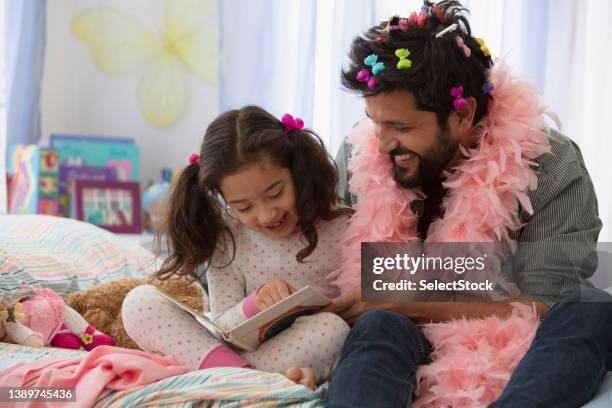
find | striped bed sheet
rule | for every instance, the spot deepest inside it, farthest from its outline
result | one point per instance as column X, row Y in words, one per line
column 216, row 387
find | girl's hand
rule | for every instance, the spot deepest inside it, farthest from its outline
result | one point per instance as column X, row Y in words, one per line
column 272, row 293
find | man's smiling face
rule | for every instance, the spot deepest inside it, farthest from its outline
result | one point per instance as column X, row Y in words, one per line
column 418, row 147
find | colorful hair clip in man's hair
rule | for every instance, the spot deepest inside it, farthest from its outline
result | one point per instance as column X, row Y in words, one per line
column 364, row 76
column 439, row 14
column 377, row 67
column 193, row 158
column 488, row 85
column 483, row 47
column 466, row 50
column 459, row 102
column 413, row 18
column 396, row 23
column 404, row 62
column 291, row 123
column 423, row 16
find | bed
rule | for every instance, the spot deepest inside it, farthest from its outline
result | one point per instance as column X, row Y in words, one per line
column 68, row 256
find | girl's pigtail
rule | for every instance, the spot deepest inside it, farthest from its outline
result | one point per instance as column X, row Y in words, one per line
column 316, row 195
column 194, row 226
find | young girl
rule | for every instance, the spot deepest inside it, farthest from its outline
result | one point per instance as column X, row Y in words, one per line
column 258, row 206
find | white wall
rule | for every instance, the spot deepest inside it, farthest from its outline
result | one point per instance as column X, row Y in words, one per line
column 78, row 98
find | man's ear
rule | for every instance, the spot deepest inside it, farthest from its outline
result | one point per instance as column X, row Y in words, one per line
column 462, row 121
column 466, row 116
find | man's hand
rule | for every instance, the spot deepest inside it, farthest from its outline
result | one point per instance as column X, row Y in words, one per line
column 350, row 307
column 272, row 293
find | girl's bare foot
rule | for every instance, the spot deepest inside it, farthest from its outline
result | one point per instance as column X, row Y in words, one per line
column 304, row 376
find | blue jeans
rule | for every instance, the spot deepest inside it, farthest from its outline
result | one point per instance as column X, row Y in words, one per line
column 378, row 364
column 569, row 356
column 564, row 366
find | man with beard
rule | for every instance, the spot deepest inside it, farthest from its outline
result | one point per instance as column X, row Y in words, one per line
column 473, row 161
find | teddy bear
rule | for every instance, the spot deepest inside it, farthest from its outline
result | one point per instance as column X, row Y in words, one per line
column 39, row 317
column 101, row 305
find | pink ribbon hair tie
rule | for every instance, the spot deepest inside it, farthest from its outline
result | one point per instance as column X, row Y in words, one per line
column 466, row 50
column 291, row 123
column 193, row 158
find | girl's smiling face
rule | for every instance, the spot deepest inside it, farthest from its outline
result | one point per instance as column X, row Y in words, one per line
column 262, row 197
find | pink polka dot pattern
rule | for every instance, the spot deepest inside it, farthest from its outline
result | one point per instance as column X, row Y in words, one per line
column 320, row 352
column 182, row 339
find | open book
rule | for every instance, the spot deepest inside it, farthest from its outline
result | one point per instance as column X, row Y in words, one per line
column 249, row 334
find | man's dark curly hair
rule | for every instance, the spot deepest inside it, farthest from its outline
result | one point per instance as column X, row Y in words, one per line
column 438, row 64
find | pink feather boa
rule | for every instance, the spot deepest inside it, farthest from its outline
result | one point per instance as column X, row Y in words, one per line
column 473, row 358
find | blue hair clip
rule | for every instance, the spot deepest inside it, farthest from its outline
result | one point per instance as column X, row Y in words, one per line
column 377, row 67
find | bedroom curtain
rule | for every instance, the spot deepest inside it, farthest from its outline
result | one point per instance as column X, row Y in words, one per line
column 25, row 46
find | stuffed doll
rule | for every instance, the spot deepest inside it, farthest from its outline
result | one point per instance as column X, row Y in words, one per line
column 13, row 331
column 44, row 319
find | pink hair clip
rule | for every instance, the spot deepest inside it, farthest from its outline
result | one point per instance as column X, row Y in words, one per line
column 459, row 102
column 461, row 44
column 364, row 76
column 193, row 158
column 401, row 25
column 291, row 123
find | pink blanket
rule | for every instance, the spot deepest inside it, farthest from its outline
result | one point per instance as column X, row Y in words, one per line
column 104, row 367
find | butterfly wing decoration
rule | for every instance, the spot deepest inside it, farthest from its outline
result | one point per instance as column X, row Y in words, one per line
column 162, row 91
column 191, row 26
column 121, row 45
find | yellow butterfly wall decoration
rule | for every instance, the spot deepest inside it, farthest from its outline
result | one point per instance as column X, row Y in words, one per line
column 120, row 45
